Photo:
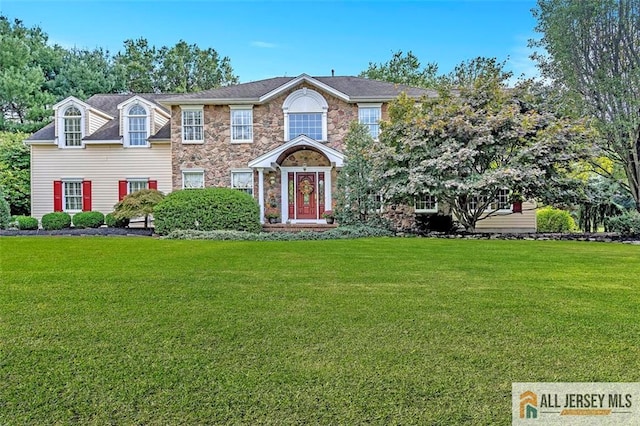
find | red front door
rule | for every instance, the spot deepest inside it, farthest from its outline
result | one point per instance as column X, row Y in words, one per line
column 306, row 195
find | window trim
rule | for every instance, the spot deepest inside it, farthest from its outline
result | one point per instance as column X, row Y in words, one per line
column 127, row 125
column 62, row 121
column 433, row 210
column 233, row 109
column 191, row 108
column 292, row 99
column 64, row 194
column 376, row 106
column 192, row 171
column 250, row 171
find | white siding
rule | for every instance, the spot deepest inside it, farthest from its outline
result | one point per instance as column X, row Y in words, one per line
column 513, row 222
column 103, row 165
column 158, row 120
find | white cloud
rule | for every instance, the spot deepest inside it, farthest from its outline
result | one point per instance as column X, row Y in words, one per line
column 264, row 44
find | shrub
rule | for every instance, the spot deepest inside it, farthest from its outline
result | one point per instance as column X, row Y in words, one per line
column 5, row 212
column 207, row 209
column 138, row 204
column 626, row 224
column 435, row 223
column 113, row 222
column 26, row 223
column 550, row 219
column 56, row 220
column 342, row 232
column 88, row 220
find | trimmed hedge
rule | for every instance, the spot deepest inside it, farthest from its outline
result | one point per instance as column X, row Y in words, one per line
column 550, row 219
column 56, row 220
column 25, row 223
column 112, row 222
column 342, row 232
column 626, row 224
column 88, row 220
column 207, row 209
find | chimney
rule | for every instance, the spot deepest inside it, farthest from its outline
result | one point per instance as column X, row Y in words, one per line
column 333, row 73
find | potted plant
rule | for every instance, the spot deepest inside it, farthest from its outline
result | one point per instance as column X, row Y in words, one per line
column 329, row 216
column 272, row 217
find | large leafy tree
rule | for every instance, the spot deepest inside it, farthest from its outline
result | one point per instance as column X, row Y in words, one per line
column 403, row 69
column 137, row 66
column 593, row 53
column 476, row 140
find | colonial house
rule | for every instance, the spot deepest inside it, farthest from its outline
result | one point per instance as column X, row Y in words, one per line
column 280, row 140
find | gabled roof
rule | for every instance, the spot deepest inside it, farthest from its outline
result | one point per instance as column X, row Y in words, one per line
column 108, row 106
column 350, row 89
column 271, row 157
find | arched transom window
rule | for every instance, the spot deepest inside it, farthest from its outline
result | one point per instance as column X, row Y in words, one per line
column 137, row 126
column 305, row 113
column 72, row 127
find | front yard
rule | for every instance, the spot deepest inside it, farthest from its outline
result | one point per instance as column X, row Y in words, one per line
column 100, row 330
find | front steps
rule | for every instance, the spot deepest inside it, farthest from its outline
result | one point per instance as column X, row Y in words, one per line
column 298, row 227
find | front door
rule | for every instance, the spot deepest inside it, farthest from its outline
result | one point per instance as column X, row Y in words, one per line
column 306, row 196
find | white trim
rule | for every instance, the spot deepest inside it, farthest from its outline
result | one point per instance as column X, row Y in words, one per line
column 304, row 78
column 183, row 109
column 60, row 130
column 64, row 193
column 265, row 160
column 233, row 108
column 284, row 191
column 261, row 193
column 298, row 95
column 193, row 171
column 126, row 141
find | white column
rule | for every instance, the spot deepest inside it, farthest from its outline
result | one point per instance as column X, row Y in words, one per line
column 261, row 193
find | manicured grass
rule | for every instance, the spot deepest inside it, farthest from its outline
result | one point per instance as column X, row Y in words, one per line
column 101, row 330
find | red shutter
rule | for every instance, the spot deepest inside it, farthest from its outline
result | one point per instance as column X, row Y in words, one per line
column 123, row 188
column 57, row 195
column 153, row 184
column 86, row 196
column 517, row 206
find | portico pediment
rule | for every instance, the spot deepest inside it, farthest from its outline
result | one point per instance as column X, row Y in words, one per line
column 336, row 158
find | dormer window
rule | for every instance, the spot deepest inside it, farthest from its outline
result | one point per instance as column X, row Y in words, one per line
column 72, row 123
column 137, row 126
column 305, row 113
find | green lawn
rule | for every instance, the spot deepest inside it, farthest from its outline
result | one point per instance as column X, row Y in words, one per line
column 97, row 330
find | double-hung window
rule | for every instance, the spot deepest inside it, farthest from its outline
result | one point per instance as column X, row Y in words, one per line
column 369, row 115
column 137, row 126
column 192, row 179
column 72, row 127
column 502, row 200
column 242, row 180
column 241, row 124
column 72, row 195
column 426, row 203
column 192, row 125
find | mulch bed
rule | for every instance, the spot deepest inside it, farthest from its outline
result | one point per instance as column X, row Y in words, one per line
column 139, row 232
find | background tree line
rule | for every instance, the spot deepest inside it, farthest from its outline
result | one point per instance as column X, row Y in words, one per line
column 34, row 74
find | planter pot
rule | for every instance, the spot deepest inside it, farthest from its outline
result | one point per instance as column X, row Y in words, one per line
column 329, row 220
column 273, row 220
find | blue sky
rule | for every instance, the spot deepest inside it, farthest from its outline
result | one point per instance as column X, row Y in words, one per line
column 274, row 38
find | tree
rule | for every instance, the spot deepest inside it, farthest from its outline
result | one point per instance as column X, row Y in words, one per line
column 356, row 195
column 187, row 68
column 137, row 66
column 593, row 52
column 477, row 145
column 15, row 172
column 403, row 70
column 26, row 61
column 84, row 73
column 138, row 204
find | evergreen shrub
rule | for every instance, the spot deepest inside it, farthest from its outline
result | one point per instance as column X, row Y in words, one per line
column 207, row 209
column 56, row 220
column 626, row 224
column 88, row 220
column 550, row 219
column 24, row 223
